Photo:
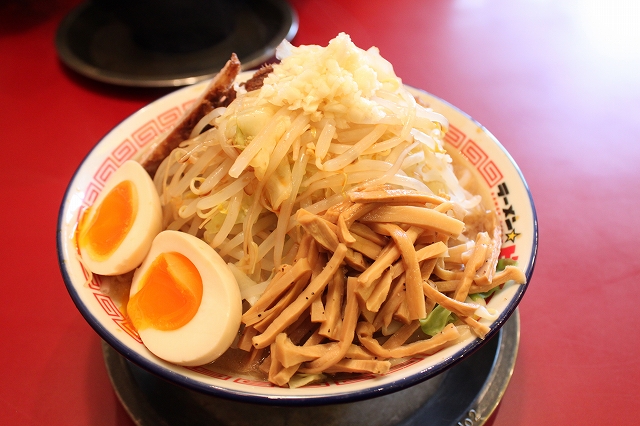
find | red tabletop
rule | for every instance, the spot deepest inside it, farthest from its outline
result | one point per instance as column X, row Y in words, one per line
column 556, row 82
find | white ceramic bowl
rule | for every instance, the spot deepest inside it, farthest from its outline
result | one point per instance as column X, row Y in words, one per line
column 493, row 164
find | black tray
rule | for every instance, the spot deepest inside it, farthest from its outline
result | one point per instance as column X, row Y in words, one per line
column 93, row 41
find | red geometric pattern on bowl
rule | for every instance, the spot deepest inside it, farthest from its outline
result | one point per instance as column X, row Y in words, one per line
column 146, row 133
column 90, row 195
column 454, row 136
column 318, row 385
column 105, row 170
column 151, row 129
column 355, row 379
column 405, row 364
column 256, row 383
column 112, row 310
column 125, row 326
column 207, row 372
column 491, row 173
column 167, row 118
column 476, row 156
column 108, row 306
column 95, row 282
column 124, row 151
column 474, row 153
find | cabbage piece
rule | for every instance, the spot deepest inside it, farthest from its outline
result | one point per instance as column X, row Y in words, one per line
column 260, row 162
column 437, row 320
column 250, row 121
column 504, row 262
column 213, row 225
column 299, row 380
column 249, row 289
column 481, row 296
column 279, row 185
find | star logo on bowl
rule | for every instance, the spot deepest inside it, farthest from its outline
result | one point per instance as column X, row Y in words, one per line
column 511, row 236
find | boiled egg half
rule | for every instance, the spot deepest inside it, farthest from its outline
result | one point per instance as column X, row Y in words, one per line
column 184, row 301
column 115, row 234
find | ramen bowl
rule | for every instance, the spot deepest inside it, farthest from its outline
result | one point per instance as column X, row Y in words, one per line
column 99, row 299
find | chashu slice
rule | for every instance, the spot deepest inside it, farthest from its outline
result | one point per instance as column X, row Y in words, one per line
column 220, row 92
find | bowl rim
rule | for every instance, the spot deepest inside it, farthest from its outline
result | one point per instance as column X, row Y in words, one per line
column 296, row 400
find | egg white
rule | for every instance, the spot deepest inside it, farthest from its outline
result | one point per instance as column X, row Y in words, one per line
column 147, row 223
column 216, row 323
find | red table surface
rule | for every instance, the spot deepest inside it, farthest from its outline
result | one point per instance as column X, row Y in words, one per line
column 556, row 82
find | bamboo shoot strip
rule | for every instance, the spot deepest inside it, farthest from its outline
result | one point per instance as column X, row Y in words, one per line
column 388, row 196
column 277, row 288
column 335, row 354
column 415, row 295
column 418, row 216
column 389, row 254
column 458, row 308
column 293, row 311
column 365, row 331
column 475, row 262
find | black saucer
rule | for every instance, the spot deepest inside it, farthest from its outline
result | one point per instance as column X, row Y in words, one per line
column 466, row 394
column 94, row 42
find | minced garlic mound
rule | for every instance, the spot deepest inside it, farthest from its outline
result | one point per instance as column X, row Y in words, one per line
column 334, row 81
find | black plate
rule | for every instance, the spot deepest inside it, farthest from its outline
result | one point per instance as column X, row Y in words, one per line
column 466, row 394
column 93, row 41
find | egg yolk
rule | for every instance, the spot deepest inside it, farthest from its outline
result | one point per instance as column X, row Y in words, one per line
column 169, row 296
column 111, row 222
